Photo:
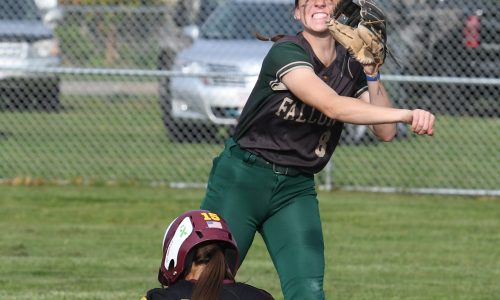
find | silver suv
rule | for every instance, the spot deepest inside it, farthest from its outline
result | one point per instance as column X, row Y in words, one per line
column 26, row 43
column 197, row 108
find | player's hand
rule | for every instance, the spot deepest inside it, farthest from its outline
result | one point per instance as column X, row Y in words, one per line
column 421, row 121
column 370, row 69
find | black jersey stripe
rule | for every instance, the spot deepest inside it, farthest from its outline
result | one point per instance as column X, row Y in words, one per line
column 360, row 91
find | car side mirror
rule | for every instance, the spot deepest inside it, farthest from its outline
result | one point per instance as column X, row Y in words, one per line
column 53, row 17
column 191, row 31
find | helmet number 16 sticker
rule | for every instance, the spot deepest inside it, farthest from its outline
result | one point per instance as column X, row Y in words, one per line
column 210, row 216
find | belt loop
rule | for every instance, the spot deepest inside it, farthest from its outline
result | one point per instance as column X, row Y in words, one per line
column 229, row 145
column 249, row 157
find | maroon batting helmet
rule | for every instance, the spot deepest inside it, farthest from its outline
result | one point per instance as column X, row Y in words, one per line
column 186, row 232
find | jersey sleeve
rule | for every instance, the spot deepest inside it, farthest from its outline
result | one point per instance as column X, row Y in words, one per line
column 283, row 58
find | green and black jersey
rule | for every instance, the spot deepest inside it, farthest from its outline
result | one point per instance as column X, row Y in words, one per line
column 278, row 126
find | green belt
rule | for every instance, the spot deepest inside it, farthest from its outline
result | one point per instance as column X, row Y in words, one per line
column 256, row 160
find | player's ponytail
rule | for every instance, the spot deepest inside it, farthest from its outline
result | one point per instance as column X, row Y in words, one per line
column 212, row 278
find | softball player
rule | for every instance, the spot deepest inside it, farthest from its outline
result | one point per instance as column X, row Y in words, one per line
column 199, row 262
column 264, row 178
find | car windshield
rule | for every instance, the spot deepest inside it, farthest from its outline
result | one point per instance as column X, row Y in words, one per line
column 241, row 20
column 18, row 10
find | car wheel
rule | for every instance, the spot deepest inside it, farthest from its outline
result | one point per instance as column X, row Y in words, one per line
column 165, row 103
column 401, row 130
column 48, row 98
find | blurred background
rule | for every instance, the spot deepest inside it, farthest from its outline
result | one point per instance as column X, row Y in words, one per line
column 145, row 92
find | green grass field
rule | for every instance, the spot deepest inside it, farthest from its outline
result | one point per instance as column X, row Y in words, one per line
column 78, row 242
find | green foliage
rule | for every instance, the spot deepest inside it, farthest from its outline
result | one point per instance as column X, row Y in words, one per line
column 83, row 242
column 109, row 39
column 77, row 47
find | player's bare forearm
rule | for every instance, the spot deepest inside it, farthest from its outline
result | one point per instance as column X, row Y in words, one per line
column 377, row 95
column 308, row 87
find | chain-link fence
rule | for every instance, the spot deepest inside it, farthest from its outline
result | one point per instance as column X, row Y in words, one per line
column 146, row 93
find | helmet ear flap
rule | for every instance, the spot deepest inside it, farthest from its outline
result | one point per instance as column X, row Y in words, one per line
column 162, row 278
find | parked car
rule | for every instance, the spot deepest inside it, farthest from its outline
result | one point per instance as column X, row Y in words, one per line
column 471, row 48
column 448, row 38
column 26, row 42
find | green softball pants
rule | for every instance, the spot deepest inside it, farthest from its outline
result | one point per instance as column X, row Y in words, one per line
column 282, row 208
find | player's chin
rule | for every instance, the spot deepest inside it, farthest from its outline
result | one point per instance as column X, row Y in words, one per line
column 321, row 26
column 320, row 31
column 317, row 25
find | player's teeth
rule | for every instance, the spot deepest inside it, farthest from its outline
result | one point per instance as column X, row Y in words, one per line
column 319, row 16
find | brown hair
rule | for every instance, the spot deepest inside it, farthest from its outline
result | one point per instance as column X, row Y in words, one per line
column 211, row 280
